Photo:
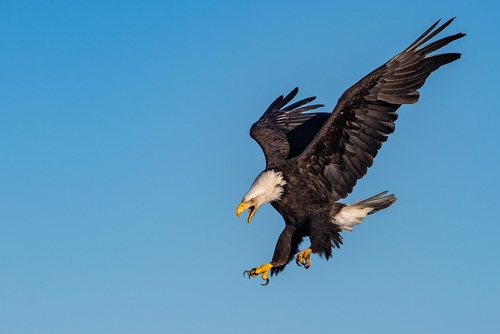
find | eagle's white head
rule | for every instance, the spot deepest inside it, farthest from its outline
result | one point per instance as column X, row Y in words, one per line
column 267, row 187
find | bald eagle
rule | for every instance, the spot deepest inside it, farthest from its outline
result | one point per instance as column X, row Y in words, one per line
column 313, row 159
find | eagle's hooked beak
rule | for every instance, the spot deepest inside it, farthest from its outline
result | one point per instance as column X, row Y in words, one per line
column 246, row 205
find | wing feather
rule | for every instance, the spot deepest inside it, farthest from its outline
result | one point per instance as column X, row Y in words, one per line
column 365, row 115
column 284, row 131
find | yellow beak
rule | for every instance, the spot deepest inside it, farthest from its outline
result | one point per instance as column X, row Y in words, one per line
column 244, row 206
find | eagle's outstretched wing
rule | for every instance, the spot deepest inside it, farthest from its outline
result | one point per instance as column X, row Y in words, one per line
column 345, row 146
column 284, row 131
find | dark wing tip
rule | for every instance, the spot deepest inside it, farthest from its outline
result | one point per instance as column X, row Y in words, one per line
column 431, row 32
column 282, row 101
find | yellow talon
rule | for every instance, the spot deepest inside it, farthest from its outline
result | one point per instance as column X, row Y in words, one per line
column 263, row 269
column 304, row 258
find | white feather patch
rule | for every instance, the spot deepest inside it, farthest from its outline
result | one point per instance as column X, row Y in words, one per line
column 267, row 187
column 350, row 216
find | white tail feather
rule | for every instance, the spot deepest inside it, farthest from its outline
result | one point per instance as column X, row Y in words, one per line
column 353, row 214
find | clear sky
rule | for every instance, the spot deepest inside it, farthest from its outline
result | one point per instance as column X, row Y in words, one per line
column 124, row 152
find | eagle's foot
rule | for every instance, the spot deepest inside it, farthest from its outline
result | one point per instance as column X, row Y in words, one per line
column 263, row 269
column 304, row 258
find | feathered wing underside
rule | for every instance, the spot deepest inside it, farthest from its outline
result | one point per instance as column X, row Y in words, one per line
column 350, row 138
column 283, row 132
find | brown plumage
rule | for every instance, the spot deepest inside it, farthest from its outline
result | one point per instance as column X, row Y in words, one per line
column 314, row 159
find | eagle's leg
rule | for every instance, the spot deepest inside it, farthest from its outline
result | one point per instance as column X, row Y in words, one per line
column 304, row 258
column 263, row 269
column 324, row 236
column 281, row 256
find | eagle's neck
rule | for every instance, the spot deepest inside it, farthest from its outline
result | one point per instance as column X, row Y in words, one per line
column 267, row 187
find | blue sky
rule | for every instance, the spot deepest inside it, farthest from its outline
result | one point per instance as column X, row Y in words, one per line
column 125, row 151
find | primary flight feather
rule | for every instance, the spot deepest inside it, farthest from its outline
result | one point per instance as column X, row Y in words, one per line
column 314, row 159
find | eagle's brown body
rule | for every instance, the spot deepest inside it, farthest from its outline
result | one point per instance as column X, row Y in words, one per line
column 314, row 159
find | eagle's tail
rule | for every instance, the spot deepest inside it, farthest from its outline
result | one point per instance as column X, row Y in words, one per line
column 353, row 214
column 377, row 202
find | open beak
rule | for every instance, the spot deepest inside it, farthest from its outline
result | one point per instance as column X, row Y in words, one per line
column 244, row 206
